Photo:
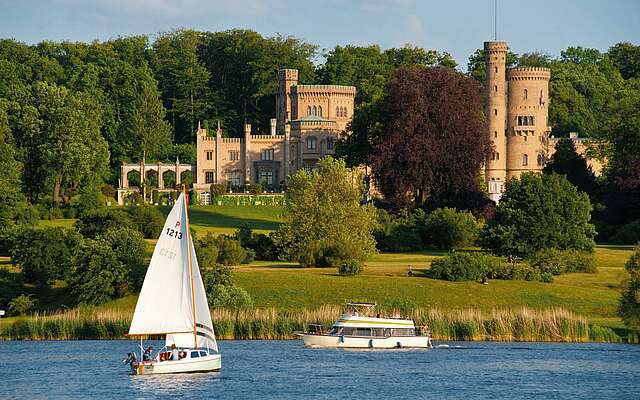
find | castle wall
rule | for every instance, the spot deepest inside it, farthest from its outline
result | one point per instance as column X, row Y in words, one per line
column 527, row 127
column 495, row 111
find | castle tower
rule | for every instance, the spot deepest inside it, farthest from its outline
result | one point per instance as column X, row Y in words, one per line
column 527, row 130
column 284, row 112
column 495, row 54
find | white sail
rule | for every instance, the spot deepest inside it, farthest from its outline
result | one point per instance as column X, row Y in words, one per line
column 204, row 326
column 166, row 301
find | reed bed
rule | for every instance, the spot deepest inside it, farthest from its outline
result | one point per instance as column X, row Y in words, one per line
column 518, row 324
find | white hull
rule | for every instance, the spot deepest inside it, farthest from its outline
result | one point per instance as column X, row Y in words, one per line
column 360, row 342
column 209, row 363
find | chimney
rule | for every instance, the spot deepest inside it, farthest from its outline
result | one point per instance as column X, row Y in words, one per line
column 272, row 122
column 247, row 129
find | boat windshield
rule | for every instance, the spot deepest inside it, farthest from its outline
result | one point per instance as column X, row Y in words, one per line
column 364, row 309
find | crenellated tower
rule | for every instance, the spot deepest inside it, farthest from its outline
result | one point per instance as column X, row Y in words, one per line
column 495, row 110
column 287, row 78
column 527, row 126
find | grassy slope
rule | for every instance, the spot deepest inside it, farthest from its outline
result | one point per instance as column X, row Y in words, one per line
column 384, row 279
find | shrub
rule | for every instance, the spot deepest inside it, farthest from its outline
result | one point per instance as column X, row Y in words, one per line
column 155, row 196
column 350, row 268
column 108, row 191
column 556, row 261
column 250, row 257
column 216, row 275
column 11, row 284
column 96, row 222
column 448, row 228
column 207, row 250
column 148, row 220
column 230, row 251
column 627, row 234
column 218, row 189
column 546, row 277
column 89, row 200
column 254, row 188
column 462, row 267
column 629, row 307
column 22, row 304
column 326, row 253
column 399, row 233
column 232, row 297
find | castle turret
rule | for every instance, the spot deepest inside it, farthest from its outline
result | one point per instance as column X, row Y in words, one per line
column 286, row 79
column 527, row 130
column 495, row 54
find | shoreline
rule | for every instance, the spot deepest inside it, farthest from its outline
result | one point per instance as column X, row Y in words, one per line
column 554, row 325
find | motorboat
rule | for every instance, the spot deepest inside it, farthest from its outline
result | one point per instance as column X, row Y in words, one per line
column 359, row 327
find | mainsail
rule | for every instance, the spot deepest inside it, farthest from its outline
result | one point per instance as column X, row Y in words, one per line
column 173, row 301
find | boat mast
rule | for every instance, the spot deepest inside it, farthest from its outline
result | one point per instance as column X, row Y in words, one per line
column 193, row 295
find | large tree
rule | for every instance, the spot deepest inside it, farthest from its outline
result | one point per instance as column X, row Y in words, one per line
column 537, row 212
column 323, row 214
column 433, row 142
column 566, row 161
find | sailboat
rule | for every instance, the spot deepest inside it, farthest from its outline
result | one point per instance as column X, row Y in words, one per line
column 173, row 303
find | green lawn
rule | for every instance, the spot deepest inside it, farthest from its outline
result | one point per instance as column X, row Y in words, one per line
column 384, row 279
column 227, row 219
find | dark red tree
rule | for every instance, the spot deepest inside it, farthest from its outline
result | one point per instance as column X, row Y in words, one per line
column 434, row 140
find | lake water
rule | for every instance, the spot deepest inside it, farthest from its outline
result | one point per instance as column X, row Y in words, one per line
column 286, row 370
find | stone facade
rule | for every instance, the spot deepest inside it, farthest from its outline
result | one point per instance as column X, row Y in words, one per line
column 517, row 109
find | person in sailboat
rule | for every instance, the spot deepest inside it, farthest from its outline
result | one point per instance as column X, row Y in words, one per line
column 175, row 354
column 148, row 354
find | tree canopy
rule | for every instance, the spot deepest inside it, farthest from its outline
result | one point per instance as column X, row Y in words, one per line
column 432, row 142
column 538, row 212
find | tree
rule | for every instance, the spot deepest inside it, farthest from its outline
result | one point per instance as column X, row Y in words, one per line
column 629, row 308
column 148, row 220
column 151, row 133
column 184, row 80
column 44, row 255
column 322, row 209
column 108, row 267
column 433, row 143
column 477, row 67
column 566, row 161
column 96, row 222
column 538, row 212
column 449, row 229
column 626, row 58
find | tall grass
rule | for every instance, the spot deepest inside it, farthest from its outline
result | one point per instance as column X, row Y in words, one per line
column 519, row 324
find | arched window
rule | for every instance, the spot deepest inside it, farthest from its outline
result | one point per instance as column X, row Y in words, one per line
column 314, row 111
column 495, row 88
column 320, row 111
column 495, row 111
column 525, row 160
column 519, row 121
column 531, row 121
column 309, row 110
column 495, row 134
column 540, row 160
column 526, row 94
column 311, row 143
column 337, row 111
column 493, row 155
column 496, row 70
column 497, row 156
column 343, row 112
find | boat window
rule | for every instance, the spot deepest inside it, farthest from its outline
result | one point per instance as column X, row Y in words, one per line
column 195, row 354
column 363, row 331
column 378, row 331
column 347, row 331
column 402, row 332
column 203, row 353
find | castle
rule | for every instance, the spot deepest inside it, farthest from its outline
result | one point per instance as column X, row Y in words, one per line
column 517, row 110
column 308, row 120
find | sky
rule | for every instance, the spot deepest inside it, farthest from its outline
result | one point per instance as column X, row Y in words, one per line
column 456, row 26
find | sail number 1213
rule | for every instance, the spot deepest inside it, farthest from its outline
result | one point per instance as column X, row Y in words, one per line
column 174, row 233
